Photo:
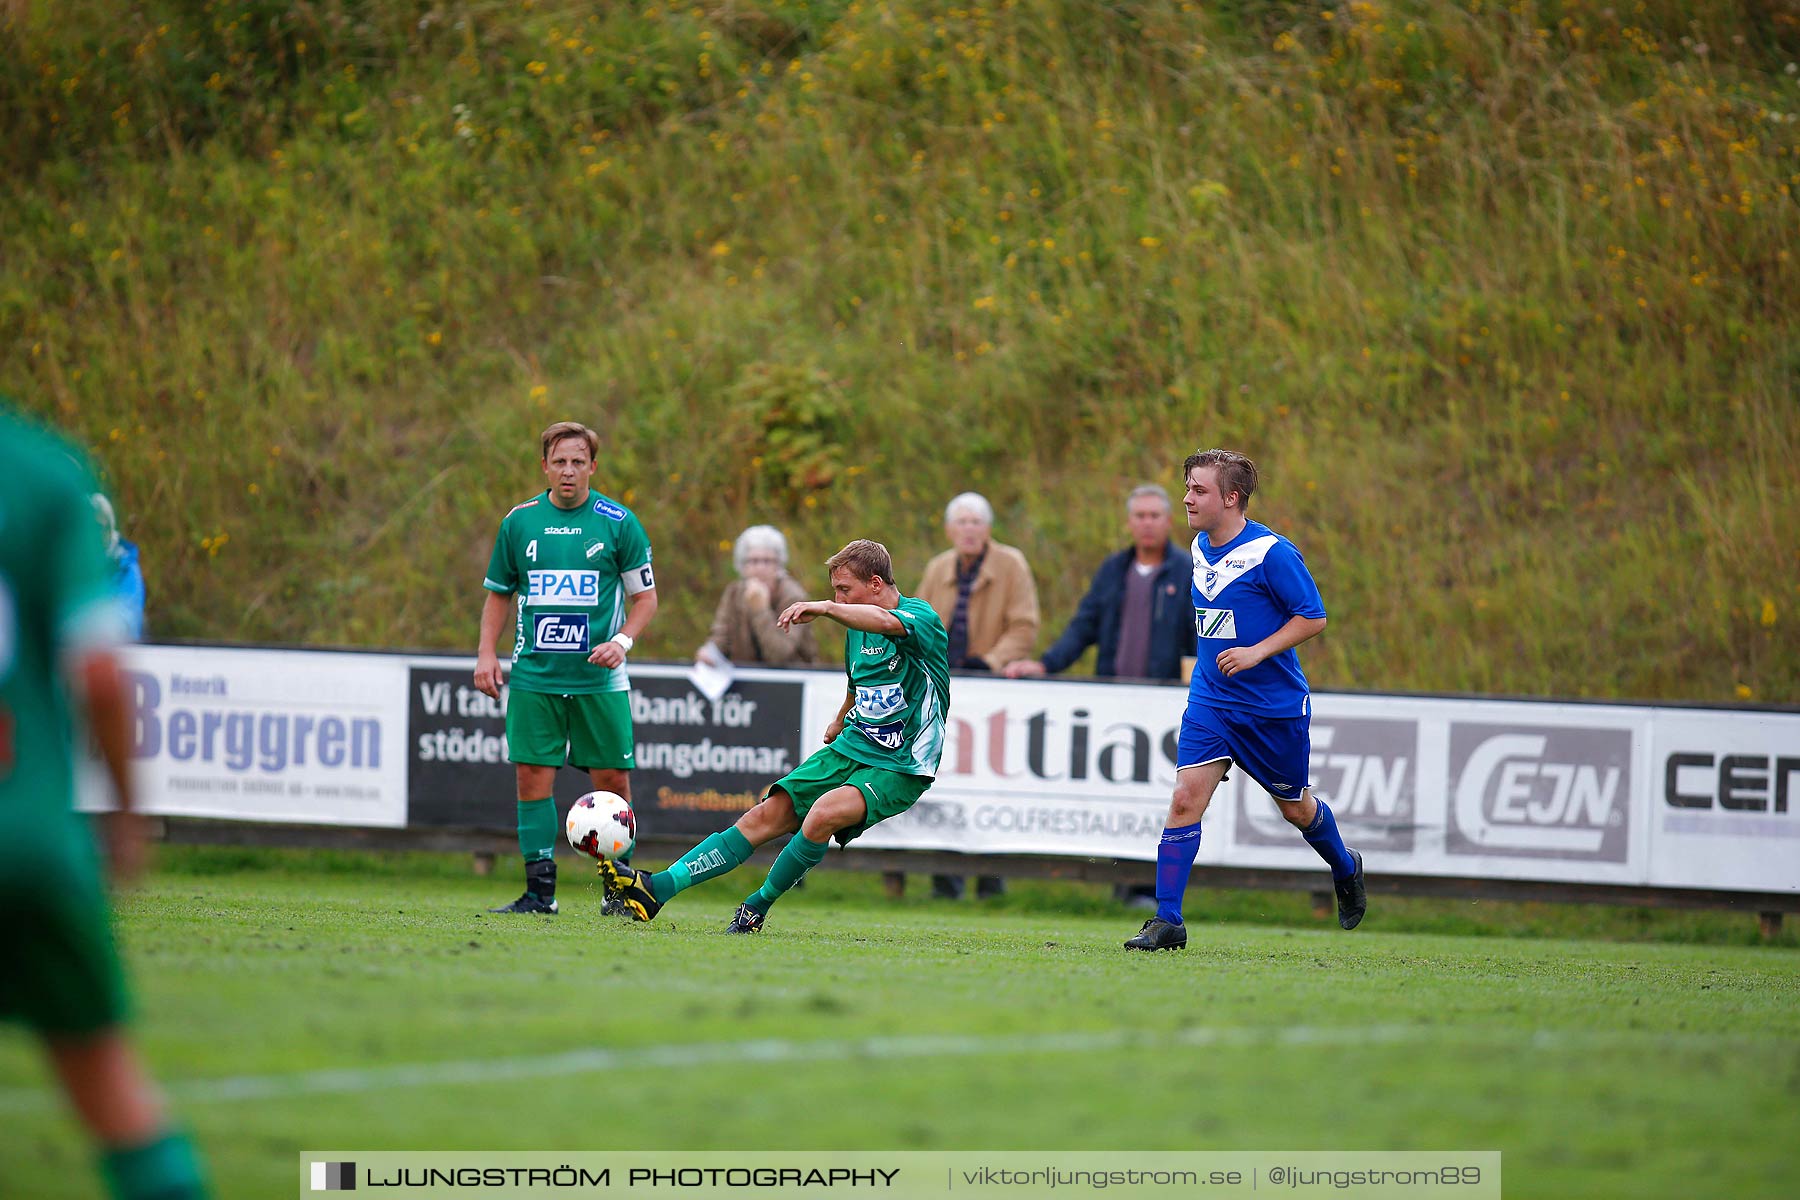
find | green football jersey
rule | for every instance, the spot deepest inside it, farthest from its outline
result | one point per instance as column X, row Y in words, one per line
column 56, row 598
column 902, row 688
column 572, row 570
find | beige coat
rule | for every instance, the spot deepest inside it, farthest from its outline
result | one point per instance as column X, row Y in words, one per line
column 749, row 635
column 1003, row 603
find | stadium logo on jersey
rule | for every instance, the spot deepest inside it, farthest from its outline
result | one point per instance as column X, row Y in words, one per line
column 548, row 529
column 563, row 587
column 1215, row 623
column 1210, row 581
column 1366, row 768
column 560, row 633
column 607, row 508
column 872, row 650
column 1539, row 792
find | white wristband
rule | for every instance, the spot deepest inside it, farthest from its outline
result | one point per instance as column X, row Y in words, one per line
column 624, row 640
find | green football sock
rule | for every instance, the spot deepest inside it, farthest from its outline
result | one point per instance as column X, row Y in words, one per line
column 798, row 857
column 719, row 853
column 537, row 829
column 165, row 1169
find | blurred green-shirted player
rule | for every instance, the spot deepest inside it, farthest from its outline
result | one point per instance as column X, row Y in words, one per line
column 881, row 751
column 579, row 564
column 60, row 625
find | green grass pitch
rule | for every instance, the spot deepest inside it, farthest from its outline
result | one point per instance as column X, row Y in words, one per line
column 1598, row 1067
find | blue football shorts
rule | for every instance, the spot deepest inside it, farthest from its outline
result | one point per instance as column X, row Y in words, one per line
column 1274, row 751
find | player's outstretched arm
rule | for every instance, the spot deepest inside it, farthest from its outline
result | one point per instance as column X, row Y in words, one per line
column 869, row 618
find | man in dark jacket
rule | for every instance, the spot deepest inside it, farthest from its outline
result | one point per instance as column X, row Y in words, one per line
column 1139, row 613
column 1137, row 609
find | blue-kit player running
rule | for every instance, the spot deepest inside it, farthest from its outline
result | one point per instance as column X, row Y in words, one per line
column 1254, row 601
column 881, row 750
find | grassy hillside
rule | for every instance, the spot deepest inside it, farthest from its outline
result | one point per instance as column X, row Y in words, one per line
column 1501, row 296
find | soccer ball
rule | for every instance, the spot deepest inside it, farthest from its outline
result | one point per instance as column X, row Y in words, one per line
column 602, row 825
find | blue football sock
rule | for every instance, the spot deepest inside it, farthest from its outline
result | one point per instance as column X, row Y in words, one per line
column 1322, row 836
column 1174, row 860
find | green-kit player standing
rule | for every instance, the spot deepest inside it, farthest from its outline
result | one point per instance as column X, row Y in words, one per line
column 881, row 751
column 60, row 625
column 579, row 565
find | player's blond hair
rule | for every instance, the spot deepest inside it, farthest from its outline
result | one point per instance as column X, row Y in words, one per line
column 569, row 429
column 864, row 559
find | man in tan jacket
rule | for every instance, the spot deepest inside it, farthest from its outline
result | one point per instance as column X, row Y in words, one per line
column 984, row 593
column 982, row 590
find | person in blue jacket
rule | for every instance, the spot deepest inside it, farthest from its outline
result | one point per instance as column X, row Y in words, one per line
column 127, row 569
column 1136, row 610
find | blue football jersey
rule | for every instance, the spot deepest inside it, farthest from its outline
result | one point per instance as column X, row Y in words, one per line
column 1244, row 591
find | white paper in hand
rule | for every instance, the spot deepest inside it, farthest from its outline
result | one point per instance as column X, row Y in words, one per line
column 712, row 676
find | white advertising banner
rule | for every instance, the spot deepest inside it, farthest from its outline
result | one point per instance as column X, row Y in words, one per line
column 268, row 735
column 1724, row 800
column 1483, row 788
column 1081, row 769
column 1439, row 786
column 1495, row 789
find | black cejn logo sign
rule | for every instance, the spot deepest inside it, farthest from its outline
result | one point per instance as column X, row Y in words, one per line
column 1734, row 782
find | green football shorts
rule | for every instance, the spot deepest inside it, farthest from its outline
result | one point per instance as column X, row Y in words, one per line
column 62, row 973
column 589, row 731
column 885, row 793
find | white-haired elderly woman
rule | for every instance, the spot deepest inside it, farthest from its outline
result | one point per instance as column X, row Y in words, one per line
column 744, row 629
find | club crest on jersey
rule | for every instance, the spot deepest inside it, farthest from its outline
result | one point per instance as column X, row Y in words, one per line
column 560, row 633
column 1210, row 579
column 563, row 588
column 1215, row 623
column 594, row 548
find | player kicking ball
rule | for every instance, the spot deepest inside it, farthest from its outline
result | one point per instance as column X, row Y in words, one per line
column 1248, row 703
column 881, row 751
